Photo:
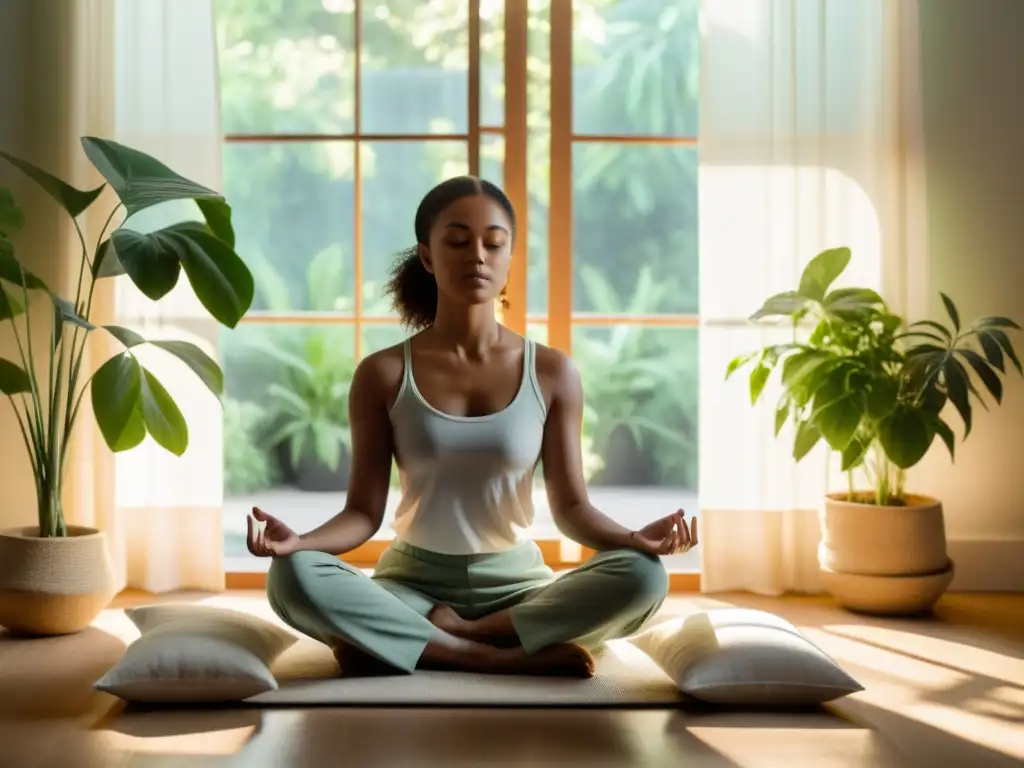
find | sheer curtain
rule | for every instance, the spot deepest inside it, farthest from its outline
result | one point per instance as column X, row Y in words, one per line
column 810, row 139
column 147, row 78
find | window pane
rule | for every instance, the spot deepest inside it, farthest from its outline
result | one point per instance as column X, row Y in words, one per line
column 378, row 336
column 492, row 159
column 293, row 214
column 286, row 67
column 538, row 152
column 286, row 389
column 415, row 67
column 634, row 228
column 396, row 176
column 635, row 67
column 492, row 63
column 640, row 421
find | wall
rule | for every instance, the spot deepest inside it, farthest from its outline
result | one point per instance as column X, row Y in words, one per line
column 974, row 128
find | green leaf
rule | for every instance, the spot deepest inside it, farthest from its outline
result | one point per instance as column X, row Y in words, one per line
column 126, row 336
column 72, row 200
column 985, row 373
column 738, row 362
column 781, row 414
column 140, row 181
column 993, row 352
column 847, row 300
column 106, row 263
column 12, row 271
column 221, row 280
column 822, row 271
column 162, row 417
column 807, row 436
column 854, row 453
column 942, row 429
column 10, row 307
column 881, row 398
column 201, row 364
column 64, row 312
column 11, row 218
column 957, row 388
column 943, row 331
column 838, row 421
column 217, row 214
column 1004, row 341
column 954, row 316
column 784, row 304
column 758, row 378
column 116, row 391
column 801, row 365
column 13, row 379
column 149, row 260
column 996, row 322
column 905, row 436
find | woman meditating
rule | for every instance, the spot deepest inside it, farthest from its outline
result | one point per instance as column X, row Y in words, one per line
column 467, row 408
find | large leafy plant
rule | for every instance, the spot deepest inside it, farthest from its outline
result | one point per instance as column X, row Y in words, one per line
column 128, row 401
column 874, row 389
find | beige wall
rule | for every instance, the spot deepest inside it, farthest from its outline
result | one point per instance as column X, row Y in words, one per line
column 974, row 134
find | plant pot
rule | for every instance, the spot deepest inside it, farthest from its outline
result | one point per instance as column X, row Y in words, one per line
column 53, row 586
column 313, row 476
column 882, row 559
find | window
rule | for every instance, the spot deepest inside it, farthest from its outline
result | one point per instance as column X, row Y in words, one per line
column 341, row 114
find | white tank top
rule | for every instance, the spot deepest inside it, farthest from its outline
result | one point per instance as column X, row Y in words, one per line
column 467, row 481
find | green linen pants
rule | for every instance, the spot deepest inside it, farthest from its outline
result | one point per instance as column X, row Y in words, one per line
column 609, row 596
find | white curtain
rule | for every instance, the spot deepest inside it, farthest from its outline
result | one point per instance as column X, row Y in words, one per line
column 809, row 139
column 149, row 80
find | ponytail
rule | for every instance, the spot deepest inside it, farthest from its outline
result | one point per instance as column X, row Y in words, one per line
column 413, row 290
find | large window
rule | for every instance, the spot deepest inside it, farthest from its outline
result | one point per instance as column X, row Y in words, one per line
column 341, row 114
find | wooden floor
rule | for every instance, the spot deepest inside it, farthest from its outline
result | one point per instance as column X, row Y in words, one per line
column 945, row 691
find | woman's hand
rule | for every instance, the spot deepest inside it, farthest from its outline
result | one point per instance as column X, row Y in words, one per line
column 667, row 536
column 275, row 539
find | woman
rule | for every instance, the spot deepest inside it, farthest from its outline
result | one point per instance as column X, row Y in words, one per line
column 467, row 408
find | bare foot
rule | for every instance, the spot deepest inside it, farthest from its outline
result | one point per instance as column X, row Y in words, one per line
column 444, row 617
column 564, row 660
column 353, row 662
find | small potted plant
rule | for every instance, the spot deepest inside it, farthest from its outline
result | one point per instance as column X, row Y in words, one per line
column 55, row 578
column 876, row 392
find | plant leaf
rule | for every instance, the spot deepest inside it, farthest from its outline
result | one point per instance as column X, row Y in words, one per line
column 201, row 364
column 847, row 300
column 905, row 436
column 106, row 263
column 880, row 398
column 758, row 378
column 955, row 378
column 807, row 436
column 72, row 200
column 217, row 214
column 149, row 260
column 822, row 271
column 13, row 272
column 954, row 316
column 11, row 217
column 935, row 326
column 1004, row 341
column 854, row 453
column 162, row 417
column 993, row 352
column 838, row 421
column 126, row 336
column 784, row 304
column 68, row 314
column 738, row 362
column 13, row 379
column 10, row 307
column 942, row 430
column 985, row 373
column 781, row 414
column 140, row 181
column 116, row 390
column 221, row 280
column 996, row 322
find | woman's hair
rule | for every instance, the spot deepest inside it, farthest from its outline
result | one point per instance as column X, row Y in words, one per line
column 412, row 289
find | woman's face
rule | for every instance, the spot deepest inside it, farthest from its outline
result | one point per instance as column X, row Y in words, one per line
column 469, row 251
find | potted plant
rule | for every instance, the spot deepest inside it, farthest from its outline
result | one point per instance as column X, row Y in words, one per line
column 55, row 578
column 876, row 391
column 309, row 410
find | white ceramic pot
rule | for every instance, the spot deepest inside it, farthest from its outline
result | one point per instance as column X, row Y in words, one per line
column 53, row 585
column 869, row 540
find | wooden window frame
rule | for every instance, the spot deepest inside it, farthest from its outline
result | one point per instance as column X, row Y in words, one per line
column 560, row 319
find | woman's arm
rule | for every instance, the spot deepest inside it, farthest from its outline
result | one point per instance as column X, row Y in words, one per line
column 562, row 455
column 370, row 475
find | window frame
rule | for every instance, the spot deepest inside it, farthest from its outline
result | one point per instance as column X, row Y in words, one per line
column 560, row 320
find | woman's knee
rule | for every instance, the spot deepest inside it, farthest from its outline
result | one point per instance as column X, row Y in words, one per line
column 295, row 578
column 643, row 577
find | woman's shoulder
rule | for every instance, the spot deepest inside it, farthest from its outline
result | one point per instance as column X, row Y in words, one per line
column 382, row 370
column 556, row 371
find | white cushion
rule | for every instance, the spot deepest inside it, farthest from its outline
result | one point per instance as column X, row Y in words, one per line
column 746, row 657
column 196, row 653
